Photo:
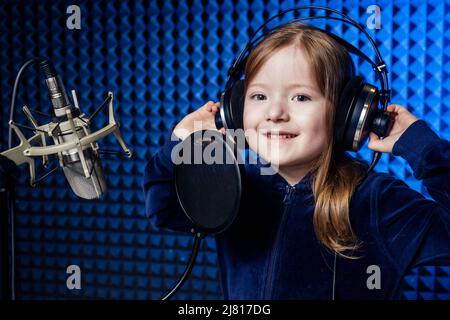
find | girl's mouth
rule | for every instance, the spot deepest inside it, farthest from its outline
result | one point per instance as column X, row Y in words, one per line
column 280, row 136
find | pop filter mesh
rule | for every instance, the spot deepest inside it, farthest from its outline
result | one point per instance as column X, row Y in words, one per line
column 208, row 185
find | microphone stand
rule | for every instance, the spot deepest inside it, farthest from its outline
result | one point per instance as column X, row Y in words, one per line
column 8, row 176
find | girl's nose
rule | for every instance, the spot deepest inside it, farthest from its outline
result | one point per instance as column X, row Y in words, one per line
column 278, row 111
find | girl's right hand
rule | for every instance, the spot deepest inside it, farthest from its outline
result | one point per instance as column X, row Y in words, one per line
column 200, row 119
column 403, row 119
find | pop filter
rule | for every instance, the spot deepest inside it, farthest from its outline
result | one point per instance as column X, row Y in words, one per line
column 208, row 186
column 208, row 180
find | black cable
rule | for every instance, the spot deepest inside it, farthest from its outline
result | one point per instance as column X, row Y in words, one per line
column 29, row 128
column 11, row 204
column 14, row 95
column 197, row 239
column 9, row 174
column 12, row 215
column 40, row 179
column 333, row 293
column 40, row 112
column 108, row 152
column 375, row 158
column 107, row 100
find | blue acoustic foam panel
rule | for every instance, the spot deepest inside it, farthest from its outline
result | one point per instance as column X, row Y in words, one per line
column 162, row 60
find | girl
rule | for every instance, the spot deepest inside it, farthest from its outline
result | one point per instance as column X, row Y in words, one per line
column 316, row 229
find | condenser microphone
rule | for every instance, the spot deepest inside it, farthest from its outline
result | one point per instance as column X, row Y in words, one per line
column 87, row 185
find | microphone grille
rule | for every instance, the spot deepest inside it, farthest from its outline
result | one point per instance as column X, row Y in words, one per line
column 87, row 188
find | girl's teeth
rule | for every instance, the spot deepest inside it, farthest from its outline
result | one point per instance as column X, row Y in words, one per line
column 286, row 136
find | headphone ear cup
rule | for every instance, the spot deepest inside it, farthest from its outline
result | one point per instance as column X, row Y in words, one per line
column 232, row 106
column 355, row 114
column 364, row 113
column 344, row 110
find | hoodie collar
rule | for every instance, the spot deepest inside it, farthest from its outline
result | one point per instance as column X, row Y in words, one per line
column 261, row 171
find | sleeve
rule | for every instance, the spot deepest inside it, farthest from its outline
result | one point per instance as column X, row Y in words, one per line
column 161, row 202
column 416, row 230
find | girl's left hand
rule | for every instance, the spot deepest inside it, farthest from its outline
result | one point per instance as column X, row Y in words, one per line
column 403, row 119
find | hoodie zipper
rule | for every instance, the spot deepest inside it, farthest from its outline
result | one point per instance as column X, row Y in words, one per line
column 289, row 191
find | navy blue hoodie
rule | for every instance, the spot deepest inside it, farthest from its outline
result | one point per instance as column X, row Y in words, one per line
column 271, row 250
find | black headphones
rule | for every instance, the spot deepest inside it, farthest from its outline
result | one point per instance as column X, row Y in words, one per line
column 357, row 113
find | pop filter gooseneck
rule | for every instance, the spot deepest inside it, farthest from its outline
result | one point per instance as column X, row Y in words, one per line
column 208, row 186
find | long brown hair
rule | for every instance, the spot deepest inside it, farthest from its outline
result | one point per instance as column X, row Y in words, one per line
column 336, row 173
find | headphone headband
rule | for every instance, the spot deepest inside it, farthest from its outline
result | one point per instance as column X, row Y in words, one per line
column 380, row 67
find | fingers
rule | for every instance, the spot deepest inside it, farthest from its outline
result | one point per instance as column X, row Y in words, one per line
column 208, row 106
column 374, row 142
column 402, row 115
column 391, row 107
column 396, row 108
column 216, row 107
column 212, row 106
column 373, row 136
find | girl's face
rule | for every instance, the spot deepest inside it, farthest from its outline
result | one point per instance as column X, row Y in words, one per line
column 284, row 111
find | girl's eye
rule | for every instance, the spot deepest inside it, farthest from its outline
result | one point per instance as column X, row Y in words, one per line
column 301, row 98
column 258, row 97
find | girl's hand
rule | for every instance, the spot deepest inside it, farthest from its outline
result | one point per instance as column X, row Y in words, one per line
column 200, row 119
column 403, row 119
